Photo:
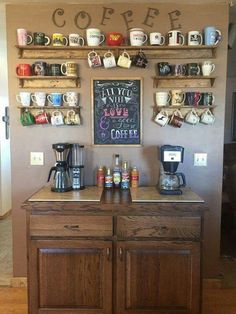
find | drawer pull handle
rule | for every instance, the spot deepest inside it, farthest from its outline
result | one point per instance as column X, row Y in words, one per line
column 121, row 254
column 72, row 227
column 108, row 254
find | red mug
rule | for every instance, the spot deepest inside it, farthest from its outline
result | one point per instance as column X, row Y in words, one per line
column 114, row 39
column 41, row 118
column 23, row 69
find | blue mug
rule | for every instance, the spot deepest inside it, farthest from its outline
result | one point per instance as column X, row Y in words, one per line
column 55, row 99
column 212, row 36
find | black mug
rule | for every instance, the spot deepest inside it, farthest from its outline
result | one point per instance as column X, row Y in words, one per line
column 140, row 60
column 208, row 99
column 164, row 68
column 40, row 39
column 40, row 68
column 54, row 69
column 193, row 69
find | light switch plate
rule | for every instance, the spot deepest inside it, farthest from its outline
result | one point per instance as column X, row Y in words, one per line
column 36, row 158
column 200, row 159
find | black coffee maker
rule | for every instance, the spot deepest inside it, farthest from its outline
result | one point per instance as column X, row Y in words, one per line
column 61, row 178
column 171, row 181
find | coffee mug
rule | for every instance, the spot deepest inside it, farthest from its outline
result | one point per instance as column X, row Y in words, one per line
column 72, row 118
column 114, row 39
column 27, row 118
column 177, row 97
column 69, row 68
column 54, row 69
column 55, row 99
column 179, row 69
column 193, row 98
column 59, row 39
column 194, row 38
column 94, row 37
column 39, row 98
column 162, row 98
column 208, row 99
column 124, row 60
column 164, row 68
column 193, row 69
column 162, row 118
column 40, row 39
column 207, row 117
column 176, row 119
column 71, row 98
column 137, row 37
column 23, row 69
column 207, row 68
column 212, row 36
column 109, row 60
column 39, row 68
column 175, row 38
column 57, row 118
column 156, row 39
column 75, row 40
column 94, row 59
column 24, row 98
column 42, row 118
column 140, row 60
column 23, row 38
column 192, row 117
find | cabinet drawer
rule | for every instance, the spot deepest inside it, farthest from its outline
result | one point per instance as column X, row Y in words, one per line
column 159, row 226
column 59, row 225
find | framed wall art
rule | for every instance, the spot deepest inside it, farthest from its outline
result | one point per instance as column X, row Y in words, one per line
column 117, row 111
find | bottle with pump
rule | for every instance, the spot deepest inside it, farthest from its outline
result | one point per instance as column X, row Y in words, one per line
column 125, row 177
column 117, row 172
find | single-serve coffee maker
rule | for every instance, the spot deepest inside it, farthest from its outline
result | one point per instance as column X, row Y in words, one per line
column 171, row 181
column 61, row 178
column 76, row 166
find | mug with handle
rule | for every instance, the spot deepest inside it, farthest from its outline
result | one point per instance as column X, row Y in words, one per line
column 207, row 117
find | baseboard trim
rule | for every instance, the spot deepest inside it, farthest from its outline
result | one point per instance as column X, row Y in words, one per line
column 212, row 283
column 19, row 282
column 5, row 215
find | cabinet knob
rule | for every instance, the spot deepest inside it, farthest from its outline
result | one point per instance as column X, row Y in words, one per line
column 72, row 227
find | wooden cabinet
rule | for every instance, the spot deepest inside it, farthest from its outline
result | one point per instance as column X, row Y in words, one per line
column 114, row 256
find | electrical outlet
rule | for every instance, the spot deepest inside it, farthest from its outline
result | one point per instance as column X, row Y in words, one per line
column 36, row 158
column 200, row 159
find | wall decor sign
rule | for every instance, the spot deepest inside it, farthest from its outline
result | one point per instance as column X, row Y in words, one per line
column 117, row 111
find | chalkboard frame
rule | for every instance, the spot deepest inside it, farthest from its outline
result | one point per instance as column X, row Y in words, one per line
column 139, row 104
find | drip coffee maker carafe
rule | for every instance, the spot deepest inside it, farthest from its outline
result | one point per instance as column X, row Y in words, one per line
column 76, row 166
column 61, row 178
column 171, row 181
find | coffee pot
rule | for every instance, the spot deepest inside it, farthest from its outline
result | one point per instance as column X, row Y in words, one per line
column 172, row 182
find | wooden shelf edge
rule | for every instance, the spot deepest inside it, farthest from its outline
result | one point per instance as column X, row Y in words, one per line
column 50, row 107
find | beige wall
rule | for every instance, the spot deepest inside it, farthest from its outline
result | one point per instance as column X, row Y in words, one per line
column 206, row 181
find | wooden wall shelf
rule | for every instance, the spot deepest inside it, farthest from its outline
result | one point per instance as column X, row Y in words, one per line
column 50, row 107
column 48, row 81
column 183, row 81
column 151, row 52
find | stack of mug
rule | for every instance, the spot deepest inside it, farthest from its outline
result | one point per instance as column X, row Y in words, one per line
column 137, row 37
column 205, row 68
column 178, row 97
column 176, row 118
column 41, row 68
column 42, row 99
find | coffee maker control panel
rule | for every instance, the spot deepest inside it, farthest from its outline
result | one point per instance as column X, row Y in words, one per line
column 175, row 156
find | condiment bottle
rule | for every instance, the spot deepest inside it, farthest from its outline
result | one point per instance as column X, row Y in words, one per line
column 125, row 178
column 134, row 177
column 108, row 179
column 100, row 177
column 116, row 172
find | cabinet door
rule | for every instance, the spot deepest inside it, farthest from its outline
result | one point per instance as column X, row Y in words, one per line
column 158, row 277
column 71, row 277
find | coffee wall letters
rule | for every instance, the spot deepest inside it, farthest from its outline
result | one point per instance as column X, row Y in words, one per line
column 83, row 19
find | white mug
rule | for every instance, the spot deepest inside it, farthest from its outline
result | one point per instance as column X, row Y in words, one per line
column 207, row 68
column 194, row 38
column 39, row 98
column 137, row 37
column 192, row 117
column 94, row 37
column 162, row 118
column 23, row 37
column 175, row 38
column 109, row 60
column 24, row 98
column 71, row 98
column 156, row 39
column 57, row 118
column 162, row 98
column 207, row 117
column 94, row 59
column 124, row 60
column 75, row 40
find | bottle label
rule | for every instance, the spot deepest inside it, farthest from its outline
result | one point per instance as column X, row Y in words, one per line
column 116, row 178
column 134, row 179
column 108, row 182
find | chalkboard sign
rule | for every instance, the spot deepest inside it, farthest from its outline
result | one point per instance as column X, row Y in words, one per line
column 117, row 109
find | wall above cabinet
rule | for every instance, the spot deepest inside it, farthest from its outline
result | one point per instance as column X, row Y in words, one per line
column 151, row 52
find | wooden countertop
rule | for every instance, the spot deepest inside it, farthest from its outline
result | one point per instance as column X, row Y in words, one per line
column 148, row 194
